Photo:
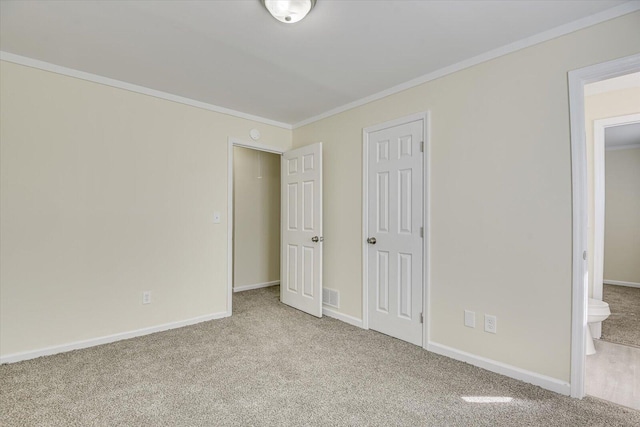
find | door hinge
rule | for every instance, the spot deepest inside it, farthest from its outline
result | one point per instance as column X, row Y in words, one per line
column 584, row 255
column 421, row 231
column 422, row 147
column 421, row 318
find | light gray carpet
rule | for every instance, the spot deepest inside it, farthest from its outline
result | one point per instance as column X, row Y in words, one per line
column 271, row 365
column 623, row 326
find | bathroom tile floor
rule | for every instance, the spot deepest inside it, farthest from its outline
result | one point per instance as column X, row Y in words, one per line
column 613, row 374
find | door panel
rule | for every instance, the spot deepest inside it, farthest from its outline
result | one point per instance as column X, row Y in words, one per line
column 382, row 291
column 301, row 275
column 292, row 268
column 395, row 186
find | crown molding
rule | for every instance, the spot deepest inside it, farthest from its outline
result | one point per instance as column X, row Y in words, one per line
column 615, row 12
column 46, row 66
column 553, row 33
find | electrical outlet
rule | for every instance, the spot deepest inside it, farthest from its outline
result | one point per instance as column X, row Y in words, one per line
column 146, row 297
column 470, row 318
column 490, row 323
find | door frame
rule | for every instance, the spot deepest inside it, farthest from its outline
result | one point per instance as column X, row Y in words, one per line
column 425, row 117
column 234, row 142
column 579, row 294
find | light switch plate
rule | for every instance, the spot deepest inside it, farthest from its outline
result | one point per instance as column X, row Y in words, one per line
column 216, row 217
column 470, row 318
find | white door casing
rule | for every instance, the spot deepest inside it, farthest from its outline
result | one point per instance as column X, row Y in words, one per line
column 395, row 220
column 577, row 80
column 301, row 225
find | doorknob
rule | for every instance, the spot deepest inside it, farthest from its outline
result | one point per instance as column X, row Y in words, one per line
column 317, row 239
column 371, row 240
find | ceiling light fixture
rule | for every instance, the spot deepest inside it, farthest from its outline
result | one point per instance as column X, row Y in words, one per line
column 289, row 11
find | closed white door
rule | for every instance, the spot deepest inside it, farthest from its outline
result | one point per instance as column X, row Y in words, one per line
column 301, row 257
column 395, row 234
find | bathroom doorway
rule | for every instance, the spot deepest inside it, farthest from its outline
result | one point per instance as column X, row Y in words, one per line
column 612, row 129
column 581, row 252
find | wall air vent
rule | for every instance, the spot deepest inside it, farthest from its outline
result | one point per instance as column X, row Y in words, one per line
column 331, row 297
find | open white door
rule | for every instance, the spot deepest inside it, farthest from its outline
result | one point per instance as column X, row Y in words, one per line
column 301, row 216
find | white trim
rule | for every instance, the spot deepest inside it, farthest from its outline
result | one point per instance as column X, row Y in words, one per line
column 342, row 317
column 553, row 33
column 627, row 119
column 577, row 80
column 231, row 142
column 510, row 371
column 365, row 229
column 92, row 342
column 397, row 122
column 46, row 66
column 255, row 286
column 611, row 85
column 425, row 117
column 426, row 243
column 621, row 283
column 598, row 217
column 230, row 225
column 257, row 146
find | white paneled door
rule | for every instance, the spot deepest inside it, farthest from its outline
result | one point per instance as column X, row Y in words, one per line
column 301, row 257
column 395, row 234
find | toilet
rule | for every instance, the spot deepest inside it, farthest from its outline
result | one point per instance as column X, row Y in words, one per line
column 597, row 311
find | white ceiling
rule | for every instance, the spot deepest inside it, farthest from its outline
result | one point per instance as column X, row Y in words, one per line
column 233, row 54
column 625, row 136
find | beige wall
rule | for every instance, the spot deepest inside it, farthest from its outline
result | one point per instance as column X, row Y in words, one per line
column 256, row 225
column 622, row 216
column 500, row 193
column 602, row 106
column 106, row 193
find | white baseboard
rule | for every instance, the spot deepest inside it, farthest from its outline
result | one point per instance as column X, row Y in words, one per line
column 255, row 286
column 620, row 283
column 77, row 345
column 343, row 317
column 543, row 381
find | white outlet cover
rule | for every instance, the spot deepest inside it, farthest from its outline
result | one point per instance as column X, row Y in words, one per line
column 216, row 217
column 490, row 324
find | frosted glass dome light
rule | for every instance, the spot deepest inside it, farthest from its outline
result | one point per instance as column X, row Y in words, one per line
column 289, row 11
